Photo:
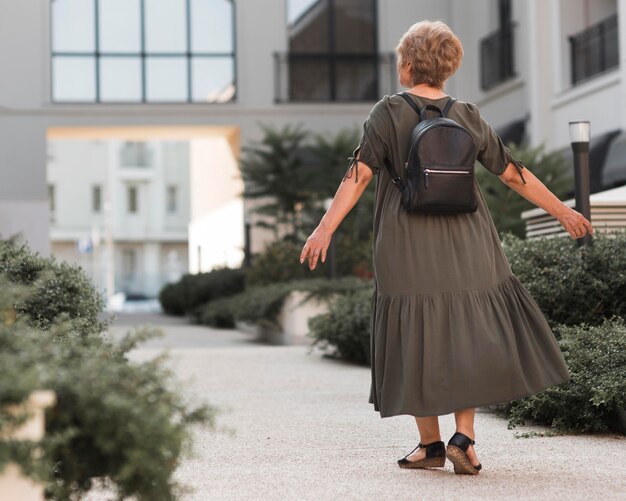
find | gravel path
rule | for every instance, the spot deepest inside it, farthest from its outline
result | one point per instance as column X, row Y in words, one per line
column 297, row 426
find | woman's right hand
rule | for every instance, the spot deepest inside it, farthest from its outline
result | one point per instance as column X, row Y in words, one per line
column 316, row 246
column 574, row 223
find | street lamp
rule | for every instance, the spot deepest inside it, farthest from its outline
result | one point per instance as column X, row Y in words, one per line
column 247, row 253
column 579, row 133
column 332, row 267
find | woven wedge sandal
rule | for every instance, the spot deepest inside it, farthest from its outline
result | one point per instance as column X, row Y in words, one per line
column 456, row 453
column 435, row 456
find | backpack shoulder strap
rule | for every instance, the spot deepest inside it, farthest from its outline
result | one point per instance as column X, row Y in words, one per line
column 447, row 107
column 410, row 101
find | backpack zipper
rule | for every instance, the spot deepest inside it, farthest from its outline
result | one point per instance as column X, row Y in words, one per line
column 446, row 171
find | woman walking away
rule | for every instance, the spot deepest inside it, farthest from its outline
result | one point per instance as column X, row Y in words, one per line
column 452, row 328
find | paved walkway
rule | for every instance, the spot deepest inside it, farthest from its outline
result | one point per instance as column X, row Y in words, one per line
column 302, row 429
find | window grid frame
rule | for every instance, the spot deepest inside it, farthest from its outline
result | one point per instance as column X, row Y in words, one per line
column 143, row 56
column 332, row 57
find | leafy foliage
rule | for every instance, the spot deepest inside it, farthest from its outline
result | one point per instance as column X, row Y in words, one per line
column 295, row 171
column 572, row 284
column 596, row 358
column 275, row 174
column 57, row 289
column 115, row 420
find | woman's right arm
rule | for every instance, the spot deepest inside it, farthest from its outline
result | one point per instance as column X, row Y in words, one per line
column 345, row 198
column 536, row 192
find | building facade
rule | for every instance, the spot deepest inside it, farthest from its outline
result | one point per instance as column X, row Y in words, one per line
column 212, row 70
column 120, row 209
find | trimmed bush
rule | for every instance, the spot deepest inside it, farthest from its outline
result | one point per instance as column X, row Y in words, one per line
column 114, row 419
column 572, row 284
column 596, row 358
column 57, row 290
column 194, row 290
column 345, row 328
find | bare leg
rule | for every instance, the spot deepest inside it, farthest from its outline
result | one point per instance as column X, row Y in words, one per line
column 465, row 424
column 429, row 432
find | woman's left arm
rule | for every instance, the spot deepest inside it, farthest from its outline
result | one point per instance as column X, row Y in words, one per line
column 536, row 192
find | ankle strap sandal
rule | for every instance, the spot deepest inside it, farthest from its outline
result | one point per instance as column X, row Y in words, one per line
column 456, row 452
column 435, row 456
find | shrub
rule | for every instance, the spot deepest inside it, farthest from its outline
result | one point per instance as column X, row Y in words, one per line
column 596, row 358
column 194, row 290
column 57, row 289
column 262, row 303
column 172, row 298
column 572, row 284
column 345, row 328
column 115, row 419
column 280, row 262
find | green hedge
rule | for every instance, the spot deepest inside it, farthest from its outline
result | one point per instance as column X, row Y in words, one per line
column 572, row 284
column 194, row 290
column 57, row 290
column 596, row 358
column 114, row 418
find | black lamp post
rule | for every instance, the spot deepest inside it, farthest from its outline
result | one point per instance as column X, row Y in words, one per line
column 579, row 136
column 247, row 254
column 332, row 262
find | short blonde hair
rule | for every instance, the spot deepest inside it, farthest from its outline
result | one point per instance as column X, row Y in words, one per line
column 434, row 51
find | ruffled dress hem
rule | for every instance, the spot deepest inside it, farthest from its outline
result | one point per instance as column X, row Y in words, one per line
column 439, row 352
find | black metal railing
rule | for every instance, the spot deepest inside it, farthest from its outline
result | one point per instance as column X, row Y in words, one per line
column 340, row 77
column 595, row 49
column 496, row 57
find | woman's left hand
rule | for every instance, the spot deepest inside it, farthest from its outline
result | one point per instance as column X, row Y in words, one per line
column 316, row 245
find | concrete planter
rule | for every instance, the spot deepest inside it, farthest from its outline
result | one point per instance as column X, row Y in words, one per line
column 13, row 484
column 247, row 327
column 8, row 316
column 295, row 315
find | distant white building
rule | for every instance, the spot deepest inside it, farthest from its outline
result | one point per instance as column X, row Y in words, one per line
column 211, row 71
column 125, row 199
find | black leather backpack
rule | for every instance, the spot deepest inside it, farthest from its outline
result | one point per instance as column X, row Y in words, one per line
column 440, row 165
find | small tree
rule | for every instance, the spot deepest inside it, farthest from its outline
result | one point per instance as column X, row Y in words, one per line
column 273, row 169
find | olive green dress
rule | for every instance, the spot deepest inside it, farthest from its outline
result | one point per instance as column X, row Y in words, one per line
column 451, row 326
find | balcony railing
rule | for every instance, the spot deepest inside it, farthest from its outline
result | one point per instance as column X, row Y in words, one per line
column 319, row 77
column 496, row 58
column 595, row 49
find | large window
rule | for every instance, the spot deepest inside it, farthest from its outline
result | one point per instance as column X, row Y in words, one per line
column 160, row 51
column 332, row 52
column 497, row 50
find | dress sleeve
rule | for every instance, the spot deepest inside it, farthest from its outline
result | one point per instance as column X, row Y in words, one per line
column 493, row 154
column 374, row 143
